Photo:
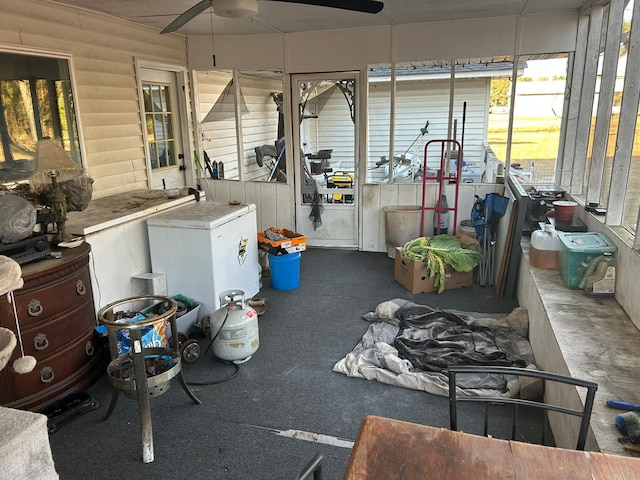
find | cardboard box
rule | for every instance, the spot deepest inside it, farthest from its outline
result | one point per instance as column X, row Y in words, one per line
column 293, row 243
column 414, row 277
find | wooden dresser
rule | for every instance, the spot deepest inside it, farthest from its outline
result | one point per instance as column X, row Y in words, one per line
column 57, row 318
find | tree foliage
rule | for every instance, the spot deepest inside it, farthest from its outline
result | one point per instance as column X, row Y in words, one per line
column 500, row 90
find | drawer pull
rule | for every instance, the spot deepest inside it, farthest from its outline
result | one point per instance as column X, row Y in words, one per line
column 80, row 287
column 35, row 307
column 47, row 375
column 89, row 348
column 40, row 342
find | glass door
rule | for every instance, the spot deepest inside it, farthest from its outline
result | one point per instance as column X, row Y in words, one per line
column 326, row 149
column 163, row 132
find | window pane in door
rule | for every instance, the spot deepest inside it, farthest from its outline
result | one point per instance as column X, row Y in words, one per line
column 156, row 104
column 162, row 154
column 153, row 153
column 150, row 135
column 171, row 157
column 168, row 126
column 160, row 131
column 164, row 98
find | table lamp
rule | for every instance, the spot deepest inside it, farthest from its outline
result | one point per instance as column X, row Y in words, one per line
column 53, row 166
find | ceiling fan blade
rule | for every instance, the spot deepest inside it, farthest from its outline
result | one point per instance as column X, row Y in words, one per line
column 364, row 6
column 187, row 16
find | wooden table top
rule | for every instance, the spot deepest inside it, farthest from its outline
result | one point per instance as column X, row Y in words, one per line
column 388, row 449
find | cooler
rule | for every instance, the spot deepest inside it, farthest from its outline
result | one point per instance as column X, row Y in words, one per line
column 206, row 248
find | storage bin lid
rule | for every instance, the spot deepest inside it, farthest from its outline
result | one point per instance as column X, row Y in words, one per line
column 586, row 242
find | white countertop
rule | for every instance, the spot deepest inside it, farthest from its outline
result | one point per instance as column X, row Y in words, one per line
column 117, row 209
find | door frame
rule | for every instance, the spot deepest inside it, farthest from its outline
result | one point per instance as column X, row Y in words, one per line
column 357, row 145
column 183, row 117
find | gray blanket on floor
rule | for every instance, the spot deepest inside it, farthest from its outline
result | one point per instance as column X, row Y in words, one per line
column 412, row 345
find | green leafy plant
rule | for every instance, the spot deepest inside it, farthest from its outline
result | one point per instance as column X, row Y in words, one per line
column 439, row 251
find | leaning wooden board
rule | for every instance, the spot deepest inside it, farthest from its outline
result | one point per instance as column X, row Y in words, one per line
column 391, row 449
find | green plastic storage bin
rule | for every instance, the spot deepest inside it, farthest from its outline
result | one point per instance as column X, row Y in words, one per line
column 577, row 251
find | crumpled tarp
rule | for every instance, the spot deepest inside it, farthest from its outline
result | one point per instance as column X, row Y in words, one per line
column 17, row 218
column 411, row 346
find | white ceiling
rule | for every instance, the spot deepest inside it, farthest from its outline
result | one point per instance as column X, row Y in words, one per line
column 275, row 16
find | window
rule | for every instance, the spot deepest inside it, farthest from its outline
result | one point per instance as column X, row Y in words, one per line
column 246, row 105
column 614, row 175
column 632, row 196
column 36, row 102
column 479, row 98
column 537, row 118
column 379, row 115
column 159, row 119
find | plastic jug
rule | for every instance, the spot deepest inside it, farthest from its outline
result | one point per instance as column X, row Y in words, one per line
column 442, row 206
column 545, row 248
column 600, row 277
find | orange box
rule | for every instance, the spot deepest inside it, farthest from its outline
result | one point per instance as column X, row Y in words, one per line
column 414, row 277
column 294, row 242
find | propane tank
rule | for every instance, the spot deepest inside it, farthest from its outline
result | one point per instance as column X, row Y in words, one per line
column 234, row 328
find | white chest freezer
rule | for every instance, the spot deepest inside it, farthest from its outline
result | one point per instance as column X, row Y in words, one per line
column 206, row 248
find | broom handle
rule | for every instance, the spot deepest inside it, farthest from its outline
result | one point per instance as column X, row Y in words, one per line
column 464, row 120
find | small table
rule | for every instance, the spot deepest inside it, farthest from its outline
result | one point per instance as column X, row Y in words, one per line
column 392, row 449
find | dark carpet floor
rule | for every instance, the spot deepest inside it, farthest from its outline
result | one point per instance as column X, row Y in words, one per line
column 287, row 385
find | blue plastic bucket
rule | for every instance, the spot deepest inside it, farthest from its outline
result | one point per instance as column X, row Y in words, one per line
column 285, row 271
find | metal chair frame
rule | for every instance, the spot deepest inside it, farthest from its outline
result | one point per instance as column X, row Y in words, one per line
column 313, row 469
column 584, row 413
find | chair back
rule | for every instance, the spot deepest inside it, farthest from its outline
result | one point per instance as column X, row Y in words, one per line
column 583, row 413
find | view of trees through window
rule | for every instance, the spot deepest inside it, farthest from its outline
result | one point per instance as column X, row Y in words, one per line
column 36, row 102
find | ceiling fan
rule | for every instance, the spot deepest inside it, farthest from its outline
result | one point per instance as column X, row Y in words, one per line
column 249, row 8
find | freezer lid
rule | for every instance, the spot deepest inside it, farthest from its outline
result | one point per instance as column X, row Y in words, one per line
column 204, row 215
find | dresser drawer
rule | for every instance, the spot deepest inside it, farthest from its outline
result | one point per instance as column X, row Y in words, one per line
column 57, row 368
column 49, row 301
column 48, row 337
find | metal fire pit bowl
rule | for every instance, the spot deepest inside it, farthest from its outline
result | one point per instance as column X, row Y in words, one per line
column 161, row 365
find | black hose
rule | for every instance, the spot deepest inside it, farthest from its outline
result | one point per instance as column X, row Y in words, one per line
column 206, row 352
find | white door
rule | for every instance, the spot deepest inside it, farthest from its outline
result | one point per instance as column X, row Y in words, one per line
column 162, row 119
column 325, row 152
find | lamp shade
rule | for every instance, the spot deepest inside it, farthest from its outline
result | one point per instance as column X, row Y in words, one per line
column 51, row 158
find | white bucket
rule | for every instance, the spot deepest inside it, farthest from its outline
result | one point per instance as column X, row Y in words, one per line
column 402, row 223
